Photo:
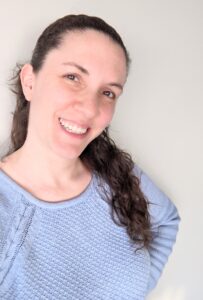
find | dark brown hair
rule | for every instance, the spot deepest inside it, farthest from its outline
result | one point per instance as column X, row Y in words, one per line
column 101, row 156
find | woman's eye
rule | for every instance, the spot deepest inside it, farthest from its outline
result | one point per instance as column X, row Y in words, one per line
column 109, row 94
column 72, row 77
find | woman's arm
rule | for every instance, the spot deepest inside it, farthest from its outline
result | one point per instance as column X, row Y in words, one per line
column 164, row 221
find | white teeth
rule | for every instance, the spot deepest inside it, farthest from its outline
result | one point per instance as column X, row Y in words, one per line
column 72, row 128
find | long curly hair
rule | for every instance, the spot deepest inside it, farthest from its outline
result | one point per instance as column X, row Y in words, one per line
column 101, row 156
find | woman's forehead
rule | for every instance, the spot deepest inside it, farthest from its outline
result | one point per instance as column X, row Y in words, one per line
column 87, row 48
column 90, row 40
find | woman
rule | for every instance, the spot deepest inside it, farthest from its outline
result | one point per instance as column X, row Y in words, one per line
column 78, row 218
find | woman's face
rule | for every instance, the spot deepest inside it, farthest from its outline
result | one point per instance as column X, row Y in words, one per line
column 79, row 84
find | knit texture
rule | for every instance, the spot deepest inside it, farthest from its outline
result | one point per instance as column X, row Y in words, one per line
column 73, row 250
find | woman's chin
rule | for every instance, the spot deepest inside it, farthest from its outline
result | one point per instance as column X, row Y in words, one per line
column 67, row 152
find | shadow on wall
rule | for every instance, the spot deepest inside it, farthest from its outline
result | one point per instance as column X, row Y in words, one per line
column 170, row 294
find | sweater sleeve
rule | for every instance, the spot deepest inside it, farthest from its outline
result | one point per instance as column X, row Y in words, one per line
column 165, row 220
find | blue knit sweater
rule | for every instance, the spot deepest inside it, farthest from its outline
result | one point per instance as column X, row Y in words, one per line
column 73, row 250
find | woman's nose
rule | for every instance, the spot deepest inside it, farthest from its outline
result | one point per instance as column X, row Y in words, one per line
column 88, row 104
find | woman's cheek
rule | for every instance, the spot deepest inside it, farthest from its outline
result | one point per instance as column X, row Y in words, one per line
column 108, row 115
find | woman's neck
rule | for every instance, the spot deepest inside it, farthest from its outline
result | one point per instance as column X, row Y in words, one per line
column 43, row 171
column 38, row 181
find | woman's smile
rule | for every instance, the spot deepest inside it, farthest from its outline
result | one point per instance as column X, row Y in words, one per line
column 73, row 131
column 72, row 126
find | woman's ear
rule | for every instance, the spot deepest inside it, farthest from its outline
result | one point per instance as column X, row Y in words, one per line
column 27, row 81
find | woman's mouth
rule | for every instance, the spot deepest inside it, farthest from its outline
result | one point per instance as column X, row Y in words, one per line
column 72, row 128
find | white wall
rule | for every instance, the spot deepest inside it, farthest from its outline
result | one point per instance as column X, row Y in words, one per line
column 159, row 118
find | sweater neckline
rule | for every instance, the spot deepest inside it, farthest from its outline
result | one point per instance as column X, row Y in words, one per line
column 29, row 197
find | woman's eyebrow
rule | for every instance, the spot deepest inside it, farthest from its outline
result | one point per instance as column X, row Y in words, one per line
column 118, row 85
column 83, row 70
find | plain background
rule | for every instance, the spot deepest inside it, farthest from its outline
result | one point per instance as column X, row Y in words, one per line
column 159, row 118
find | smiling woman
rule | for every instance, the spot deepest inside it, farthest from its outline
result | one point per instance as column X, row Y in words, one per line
column 76, row 213
column 78, row 86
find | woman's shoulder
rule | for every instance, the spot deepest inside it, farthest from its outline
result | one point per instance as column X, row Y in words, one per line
column 6, row 179
column 149, row 186
column 161, row 207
